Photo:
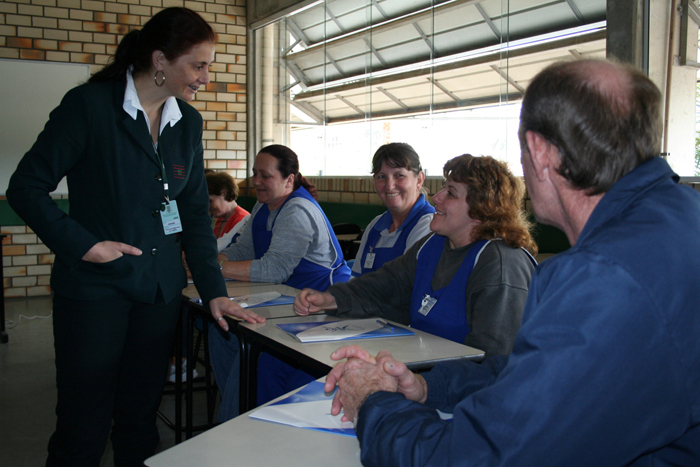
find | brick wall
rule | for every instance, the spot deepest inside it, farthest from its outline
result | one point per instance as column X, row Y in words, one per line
column 359, row 190
column 87, row 31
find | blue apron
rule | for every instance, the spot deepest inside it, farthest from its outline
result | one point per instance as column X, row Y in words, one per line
column 446, row 318
column 384, row 254
column 306, row 273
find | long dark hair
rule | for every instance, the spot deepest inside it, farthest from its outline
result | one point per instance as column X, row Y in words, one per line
column 173, row 31
column 287, row 161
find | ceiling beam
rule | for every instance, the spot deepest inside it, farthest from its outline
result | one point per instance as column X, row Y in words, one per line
column 392, row 97
column 350, row 104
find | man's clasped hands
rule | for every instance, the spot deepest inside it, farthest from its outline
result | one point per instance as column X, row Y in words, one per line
column 362, row 375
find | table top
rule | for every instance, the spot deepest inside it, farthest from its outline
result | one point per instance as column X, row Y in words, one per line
column 238, row 289
column 420, row 351
column 246, row 442
column 348, row 237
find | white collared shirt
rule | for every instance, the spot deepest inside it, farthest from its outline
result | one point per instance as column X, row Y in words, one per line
column 171, row 111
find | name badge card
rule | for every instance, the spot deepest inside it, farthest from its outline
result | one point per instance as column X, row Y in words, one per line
column 369, row 261
column 427, row 304
column 171, row 218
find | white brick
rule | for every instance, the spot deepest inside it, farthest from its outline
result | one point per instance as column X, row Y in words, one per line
column 38, row 249
column 14, row 271
column 38, row 270
column 14, row 229
column 19, row 239
column 38, row 291
column 15, row 292
column 24, row 260
column 26, row 281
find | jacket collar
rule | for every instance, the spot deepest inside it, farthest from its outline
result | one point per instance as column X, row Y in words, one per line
column 626, row 190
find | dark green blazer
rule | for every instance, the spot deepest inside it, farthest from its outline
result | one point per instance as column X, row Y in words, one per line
column 116, row 192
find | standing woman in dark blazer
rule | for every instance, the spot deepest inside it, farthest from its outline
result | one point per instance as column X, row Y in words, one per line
column 131, row 149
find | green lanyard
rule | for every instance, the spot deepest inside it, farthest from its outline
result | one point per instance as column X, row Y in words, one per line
column 163, row 175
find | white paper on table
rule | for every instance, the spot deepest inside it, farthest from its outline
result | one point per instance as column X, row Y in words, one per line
column 339, row 330
column 309, row 408
column 255, row 299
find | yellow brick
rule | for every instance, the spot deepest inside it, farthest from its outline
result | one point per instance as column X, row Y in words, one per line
column 8, row 7
column 216, row 106
column 56, row 12
column 105, row 38
column 128, row 19
column 31, row 10
column 208, row 17
column 169, row 3
column 32, row 54
column 94, row 48
column 21, row 42
column 238, row 50
column 8, row 30
column 214, row 8
column 102, row 59
column 45, row 44
column 215, row 144
column 117, row 29
column 14, row 271
column 217, row 164
column 55, row 34
column 15, row 292
column 216, row 125
column 12, row 250
column 44, row 2
column 70, row 46
column 226, row 135
column 238, row 30
column 38, row 291
column 114, row 7
column 47, row 259
column 45, row 23
column 18, row 20
column 70, row 24
column 196, row 6
column 93, row 5
column 36, row 33
column 57, row 56
column 105, row 17
column 93, row 26
column 82, row 58
column 81, row 15
column 69, row 3
column 140, row 10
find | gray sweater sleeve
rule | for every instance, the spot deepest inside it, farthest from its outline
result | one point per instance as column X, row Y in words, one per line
column 496, row 294
column 299, row 231
column 385, row 292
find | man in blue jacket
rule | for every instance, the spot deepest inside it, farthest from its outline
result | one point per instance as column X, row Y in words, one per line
column 605, row 370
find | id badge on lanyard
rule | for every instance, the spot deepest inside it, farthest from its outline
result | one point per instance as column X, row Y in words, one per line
column 369, row 260
column 169, row 214
column 427, row 304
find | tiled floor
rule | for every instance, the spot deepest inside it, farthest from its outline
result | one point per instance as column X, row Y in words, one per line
column 27, row 388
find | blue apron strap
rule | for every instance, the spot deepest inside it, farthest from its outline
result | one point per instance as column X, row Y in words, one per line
column 446, row 317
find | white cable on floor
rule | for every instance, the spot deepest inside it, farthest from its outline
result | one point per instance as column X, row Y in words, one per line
column 9, row 322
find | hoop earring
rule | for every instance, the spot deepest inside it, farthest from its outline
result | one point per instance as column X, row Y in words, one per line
column 155, row 78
